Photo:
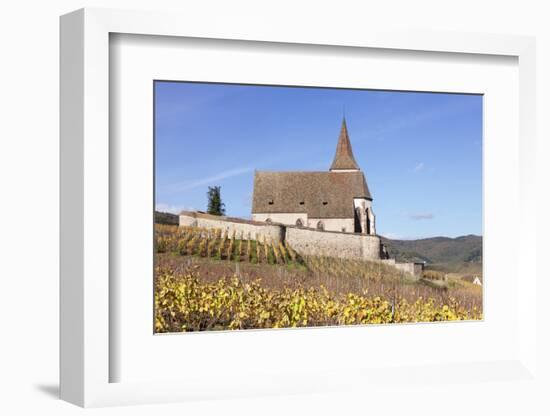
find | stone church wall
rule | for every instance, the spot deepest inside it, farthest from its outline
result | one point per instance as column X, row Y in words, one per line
column 334, row 224
column 330, row 224
column 282, row 218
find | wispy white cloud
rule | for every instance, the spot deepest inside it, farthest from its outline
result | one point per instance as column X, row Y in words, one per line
column 209, row 180
column 187, row 104
column 418, row 167
column 395, row 236
column 422, row 216
column 172, row 209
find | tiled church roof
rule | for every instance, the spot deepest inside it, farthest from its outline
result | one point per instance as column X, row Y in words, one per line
column 343, row 159
column 320, row 194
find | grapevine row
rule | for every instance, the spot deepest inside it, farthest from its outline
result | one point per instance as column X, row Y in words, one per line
column 222, row 245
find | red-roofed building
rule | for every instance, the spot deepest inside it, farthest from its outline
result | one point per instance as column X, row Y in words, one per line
column 336, row 200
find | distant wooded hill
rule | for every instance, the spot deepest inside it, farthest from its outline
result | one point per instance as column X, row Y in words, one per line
column 166, row 218
column 450, row 254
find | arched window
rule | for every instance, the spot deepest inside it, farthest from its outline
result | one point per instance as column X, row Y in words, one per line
column 320, row 225
column 299, row 223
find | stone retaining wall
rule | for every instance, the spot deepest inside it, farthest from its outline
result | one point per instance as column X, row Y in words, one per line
column 310, row 242
column 256, row 230
column 412, row 268
column 306, row 241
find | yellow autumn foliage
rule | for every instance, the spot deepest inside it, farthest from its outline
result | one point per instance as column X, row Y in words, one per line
column 184, row 303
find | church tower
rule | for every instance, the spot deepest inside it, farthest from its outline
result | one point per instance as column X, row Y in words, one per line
column 344, row 161
column 335, row 200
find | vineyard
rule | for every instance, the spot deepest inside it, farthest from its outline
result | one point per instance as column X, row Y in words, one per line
column 209, row 280
column 203, row 242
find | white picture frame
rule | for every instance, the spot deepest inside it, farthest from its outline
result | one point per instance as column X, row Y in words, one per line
column 86, row 356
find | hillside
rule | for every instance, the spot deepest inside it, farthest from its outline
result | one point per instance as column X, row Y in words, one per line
column 453, row 255
column 166, row 218
column 450, row 254
column 209, row 280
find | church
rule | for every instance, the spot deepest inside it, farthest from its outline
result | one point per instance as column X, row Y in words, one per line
column 336, row 200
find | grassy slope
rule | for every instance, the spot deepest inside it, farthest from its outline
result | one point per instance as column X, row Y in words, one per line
column 333, row 274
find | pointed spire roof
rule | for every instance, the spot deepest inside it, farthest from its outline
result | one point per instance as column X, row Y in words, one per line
column 343, row 159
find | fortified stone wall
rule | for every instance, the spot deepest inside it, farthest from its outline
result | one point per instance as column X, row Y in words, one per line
column 256, row 230
column 311, row 242
column 306, row 241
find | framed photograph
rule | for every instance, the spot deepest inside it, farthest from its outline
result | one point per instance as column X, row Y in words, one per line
column 302, row 247
column 281, row 213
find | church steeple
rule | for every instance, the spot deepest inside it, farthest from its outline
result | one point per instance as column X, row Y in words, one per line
column 343, row 159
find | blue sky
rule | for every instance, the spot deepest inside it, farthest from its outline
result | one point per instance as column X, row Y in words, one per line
column 421, row 152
